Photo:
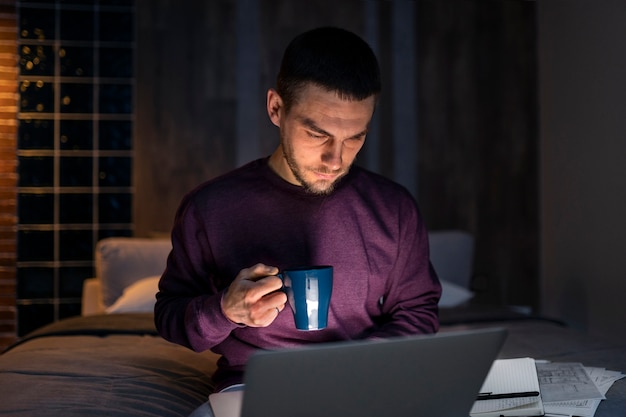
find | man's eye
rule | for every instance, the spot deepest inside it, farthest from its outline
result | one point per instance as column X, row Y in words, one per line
column 353, row 142
column 315, row 135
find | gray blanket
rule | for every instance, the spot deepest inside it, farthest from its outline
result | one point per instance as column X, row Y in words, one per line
column 116, row 365
column 112, row 365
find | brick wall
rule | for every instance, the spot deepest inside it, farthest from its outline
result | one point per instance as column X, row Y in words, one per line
column 8, row 171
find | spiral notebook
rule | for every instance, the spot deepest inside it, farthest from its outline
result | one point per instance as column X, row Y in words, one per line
column 431, row 375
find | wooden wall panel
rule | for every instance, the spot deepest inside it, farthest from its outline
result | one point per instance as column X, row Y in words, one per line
column 185, row 106
column 478, row 137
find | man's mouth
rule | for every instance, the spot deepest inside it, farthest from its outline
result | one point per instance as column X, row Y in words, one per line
column 327, row 176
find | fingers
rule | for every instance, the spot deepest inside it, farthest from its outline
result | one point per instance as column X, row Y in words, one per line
column 264, row 312
column 267, row 303
column 257, row 282
column 254, row 296
column 265, row 278
column 257, row 271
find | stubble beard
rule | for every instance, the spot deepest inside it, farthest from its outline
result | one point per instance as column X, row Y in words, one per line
column 320, row 187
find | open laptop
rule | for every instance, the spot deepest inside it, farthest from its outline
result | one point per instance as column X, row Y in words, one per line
column 419, row 376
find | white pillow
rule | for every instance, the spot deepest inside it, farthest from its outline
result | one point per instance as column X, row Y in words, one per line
column 138, row 297
column 121, row 261
column 452, row 295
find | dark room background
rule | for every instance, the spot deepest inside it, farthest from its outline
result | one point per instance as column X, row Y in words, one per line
column 457, row 122
column 173, row 94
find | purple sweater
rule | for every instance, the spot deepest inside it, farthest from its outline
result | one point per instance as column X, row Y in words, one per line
column 369, row 229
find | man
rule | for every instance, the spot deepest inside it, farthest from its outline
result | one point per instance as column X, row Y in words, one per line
column 304, row 205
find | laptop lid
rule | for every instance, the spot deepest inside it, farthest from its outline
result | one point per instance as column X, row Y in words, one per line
column 419, row 376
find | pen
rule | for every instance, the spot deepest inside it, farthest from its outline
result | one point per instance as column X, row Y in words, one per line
column 491, row 396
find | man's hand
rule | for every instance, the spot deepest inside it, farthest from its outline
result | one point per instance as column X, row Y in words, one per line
column 254, row 297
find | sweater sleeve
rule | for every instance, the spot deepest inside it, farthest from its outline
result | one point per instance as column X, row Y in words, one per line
column 410, row 304
column 188, row 307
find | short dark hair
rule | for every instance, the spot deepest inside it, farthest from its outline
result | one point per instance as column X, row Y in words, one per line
column 332, row 58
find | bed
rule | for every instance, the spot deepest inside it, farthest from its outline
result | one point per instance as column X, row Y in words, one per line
column 111, row 362
column 102, row 365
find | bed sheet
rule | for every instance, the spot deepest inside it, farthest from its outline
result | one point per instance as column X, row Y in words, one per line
column 103, row 366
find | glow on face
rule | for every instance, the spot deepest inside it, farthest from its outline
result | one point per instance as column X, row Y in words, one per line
column 321, row 136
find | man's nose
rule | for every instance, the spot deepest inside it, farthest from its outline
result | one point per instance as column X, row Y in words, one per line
column 332, row 154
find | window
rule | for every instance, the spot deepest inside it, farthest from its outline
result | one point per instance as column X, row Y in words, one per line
column 75, row 126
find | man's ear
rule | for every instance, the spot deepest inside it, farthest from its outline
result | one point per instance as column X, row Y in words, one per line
column 274, row 106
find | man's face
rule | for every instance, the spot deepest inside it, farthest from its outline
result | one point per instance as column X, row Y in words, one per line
column 320, row 137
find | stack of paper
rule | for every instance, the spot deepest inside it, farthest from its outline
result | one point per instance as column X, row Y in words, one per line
column 510, row 389
column 525, row 387
column 570, row 389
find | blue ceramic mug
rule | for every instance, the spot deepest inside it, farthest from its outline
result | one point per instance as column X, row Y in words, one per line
column 308, row 291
